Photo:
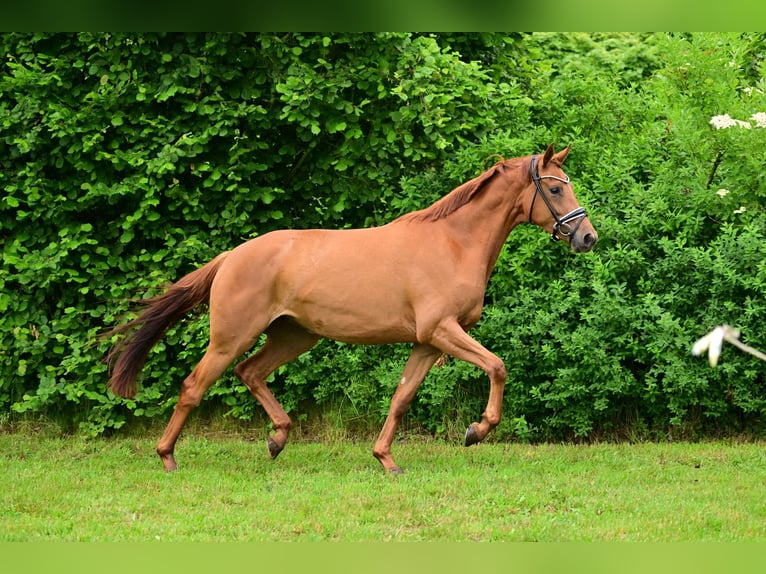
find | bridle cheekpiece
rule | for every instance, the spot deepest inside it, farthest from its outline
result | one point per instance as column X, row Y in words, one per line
column 563, row 225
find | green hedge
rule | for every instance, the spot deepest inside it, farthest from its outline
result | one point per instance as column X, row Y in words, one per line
column 128, row 160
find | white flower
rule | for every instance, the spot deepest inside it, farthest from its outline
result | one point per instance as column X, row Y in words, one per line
column 750, row 91
column 742, row 209
column 722, row 122
column 722, row 192
column 726, row 121
column 759, row 119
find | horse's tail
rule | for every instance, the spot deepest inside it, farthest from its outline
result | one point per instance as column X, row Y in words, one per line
column 127, row 356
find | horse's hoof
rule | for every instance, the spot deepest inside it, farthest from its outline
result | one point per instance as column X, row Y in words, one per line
column 471, row 437
column 396, row 471
column 168, row 462
column 274, row 448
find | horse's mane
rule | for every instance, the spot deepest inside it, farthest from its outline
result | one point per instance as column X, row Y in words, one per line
column 459, row 196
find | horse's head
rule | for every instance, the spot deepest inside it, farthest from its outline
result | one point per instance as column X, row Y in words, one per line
column 559, row 213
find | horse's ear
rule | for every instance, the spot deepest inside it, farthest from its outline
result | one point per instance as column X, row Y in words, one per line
column 548, row 155
column 562, row 155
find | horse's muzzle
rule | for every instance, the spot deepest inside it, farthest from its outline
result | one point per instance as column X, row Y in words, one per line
column 584, row 240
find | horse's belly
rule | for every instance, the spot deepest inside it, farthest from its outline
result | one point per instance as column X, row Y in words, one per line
column 363, row 321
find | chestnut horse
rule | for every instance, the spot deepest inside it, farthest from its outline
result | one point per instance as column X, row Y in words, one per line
column 418, row 279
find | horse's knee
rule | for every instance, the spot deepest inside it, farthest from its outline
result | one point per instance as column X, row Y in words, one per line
column 398, row 407
column 497, row 372
column 240, row 371
column 248, row 376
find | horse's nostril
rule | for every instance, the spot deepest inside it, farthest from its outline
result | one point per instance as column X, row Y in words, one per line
column 589, row 240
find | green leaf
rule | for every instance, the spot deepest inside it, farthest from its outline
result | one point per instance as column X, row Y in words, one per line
column 336, row 125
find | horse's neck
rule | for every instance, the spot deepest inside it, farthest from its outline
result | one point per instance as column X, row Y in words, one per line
column 482, row 226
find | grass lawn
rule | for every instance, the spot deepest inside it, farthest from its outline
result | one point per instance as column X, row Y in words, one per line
column 227, row 489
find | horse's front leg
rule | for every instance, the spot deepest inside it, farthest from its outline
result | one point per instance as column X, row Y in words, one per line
column 453, row 340
column 420, row 361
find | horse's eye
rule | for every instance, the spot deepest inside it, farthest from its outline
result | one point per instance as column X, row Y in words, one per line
column 555, row 190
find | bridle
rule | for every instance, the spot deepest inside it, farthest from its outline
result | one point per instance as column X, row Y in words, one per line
column 562, row 225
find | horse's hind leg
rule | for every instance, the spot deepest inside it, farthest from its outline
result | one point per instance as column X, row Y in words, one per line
column 212, row 365
column 285, row 340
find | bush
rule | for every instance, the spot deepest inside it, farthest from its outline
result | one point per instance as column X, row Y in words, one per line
column 128, row 160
